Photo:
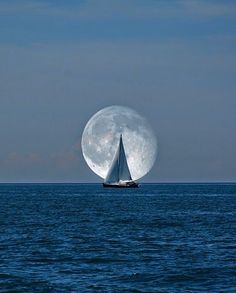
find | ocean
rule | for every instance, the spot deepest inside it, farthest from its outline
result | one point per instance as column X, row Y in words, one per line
column 84, row 238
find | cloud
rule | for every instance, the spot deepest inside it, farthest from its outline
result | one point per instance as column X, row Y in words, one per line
column 204, row 8
column 36, row 167
column 65, row 160
column 15, row 159
column 14, row 7
column 61, row 22
column 113, row 9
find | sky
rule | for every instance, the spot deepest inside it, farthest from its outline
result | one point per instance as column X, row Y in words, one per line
column 172, row 61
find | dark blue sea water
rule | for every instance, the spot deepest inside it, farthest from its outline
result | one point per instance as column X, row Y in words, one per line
column 83, row 238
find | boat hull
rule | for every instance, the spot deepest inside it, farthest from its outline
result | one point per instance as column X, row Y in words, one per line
column 121, row 185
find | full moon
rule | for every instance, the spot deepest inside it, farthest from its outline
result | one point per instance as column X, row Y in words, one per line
column 101, row 135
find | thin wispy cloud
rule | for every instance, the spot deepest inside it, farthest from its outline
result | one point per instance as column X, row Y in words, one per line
column 133, row 9
column 13, row 7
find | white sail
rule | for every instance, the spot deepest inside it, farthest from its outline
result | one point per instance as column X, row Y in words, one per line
column 113, row 173
column 119, row 170
column 124, row 173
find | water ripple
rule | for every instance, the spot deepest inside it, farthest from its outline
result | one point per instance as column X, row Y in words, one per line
column 83, row 238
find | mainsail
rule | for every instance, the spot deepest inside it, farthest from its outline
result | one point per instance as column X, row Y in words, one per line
column 119, row 170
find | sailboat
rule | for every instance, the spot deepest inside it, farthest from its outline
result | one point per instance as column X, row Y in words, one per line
column 119, row 175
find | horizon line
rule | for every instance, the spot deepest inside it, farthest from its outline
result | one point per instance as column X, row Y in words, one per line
column 141, row 183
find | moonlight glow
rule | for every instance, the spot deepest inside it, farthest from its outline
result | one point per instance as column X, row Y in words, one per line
column 101, row 136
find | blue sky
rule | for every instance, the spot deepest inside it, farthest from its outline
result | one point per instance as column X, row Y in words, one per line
column 172, row 61
column 30, row 22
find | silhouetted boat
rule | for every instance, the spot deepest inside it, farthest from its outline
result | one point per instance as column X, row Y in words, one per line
column 119, row 174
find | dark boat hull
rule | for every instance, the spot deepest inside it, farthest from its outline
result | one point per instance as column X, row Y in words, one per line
column 121, row 185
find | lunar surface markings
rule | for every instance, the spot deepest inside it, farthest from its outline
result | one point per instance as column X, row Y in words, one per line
column 101, row 136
